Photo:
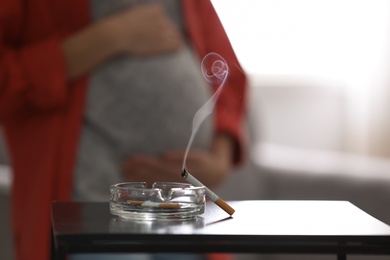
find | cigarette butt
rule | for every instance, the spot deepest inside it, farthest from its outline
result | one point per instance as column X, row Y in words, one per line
column 135, row 202
column 169, row 205
column 223, row 205
column 154, row 204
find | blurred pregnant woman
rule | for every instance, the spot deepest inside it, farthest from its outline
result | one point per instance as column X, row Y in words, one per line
column 98, row 92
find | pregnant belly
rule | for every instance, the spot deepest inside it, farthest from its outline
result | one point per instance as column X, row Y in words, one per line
column 147, row 105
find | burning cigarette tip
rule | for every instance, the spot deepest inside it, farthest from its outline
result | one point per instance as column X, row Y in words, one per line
column 183, row 173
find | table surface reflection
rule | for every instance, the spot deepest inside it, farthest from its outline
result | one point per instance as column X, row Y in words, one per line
column 336, row 227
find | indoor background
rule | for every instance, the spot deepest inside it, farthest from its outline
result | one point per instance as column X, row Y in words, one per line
column 319, row 104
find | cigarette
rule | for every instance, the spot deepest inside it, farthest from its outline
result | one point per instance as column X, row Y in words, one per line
column 149, row 203
column 211, row 195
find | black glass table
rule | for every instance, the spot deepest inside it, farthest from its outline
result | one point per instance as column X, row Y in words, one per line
column 313, row 227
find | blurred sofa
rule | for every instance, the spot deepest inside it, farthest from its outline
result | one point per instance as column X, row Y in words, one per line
column 276, row 172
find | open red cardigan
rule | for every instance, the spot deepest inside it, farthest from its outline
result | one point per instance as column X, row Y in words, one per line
column 41, row 111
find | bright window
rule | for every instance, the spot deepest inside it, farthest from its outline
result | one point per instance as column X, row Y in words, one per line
column 327, row 38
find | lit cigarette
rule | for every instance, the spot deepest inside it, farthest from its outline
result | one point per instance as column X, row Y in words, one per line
column 149, row 203
column 211, row 195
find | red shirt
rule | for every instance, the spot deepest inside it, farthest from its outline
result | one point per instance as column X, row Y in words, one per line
column 41, row 111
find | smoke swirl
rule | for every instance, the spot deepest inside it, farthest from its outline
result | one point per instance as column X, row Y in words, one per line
column 215, row 70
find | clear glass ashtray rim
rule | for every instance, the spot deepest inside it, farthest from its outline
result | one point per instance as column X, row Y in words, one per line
column 142, row 186
column 140, row 202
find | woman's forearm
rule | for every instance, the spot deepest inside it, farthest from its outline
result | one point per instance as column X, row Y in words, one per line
column 223, row 149
column 88, row 48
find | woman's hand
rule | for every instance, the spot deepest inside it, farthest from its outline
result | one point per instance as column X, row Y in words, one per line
column 141, row 30
column 146, row 30
column 209, row 167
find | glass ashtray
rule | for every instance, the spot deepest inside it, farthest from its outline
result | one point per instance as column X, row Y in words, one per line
column 165, row 200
